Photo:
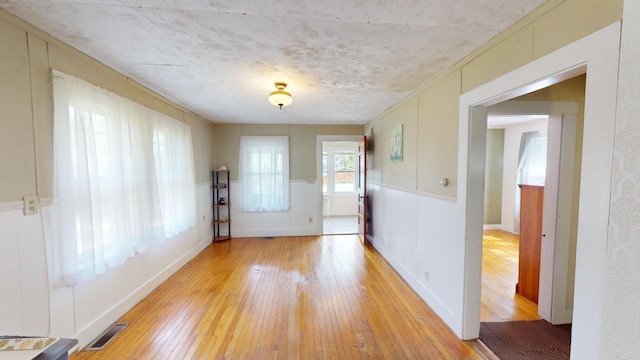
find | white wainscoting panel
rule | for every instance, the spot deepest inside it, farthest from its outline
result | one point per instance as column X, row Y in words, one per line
column 24, row 299
column 85, row 310
column 416, row 234
column 294, row 222
column 11, row 295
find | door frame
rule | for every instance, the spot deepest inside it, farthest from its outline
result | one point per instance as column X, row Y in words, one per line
column 598, row 55
column 554, row 254
column 319, row 140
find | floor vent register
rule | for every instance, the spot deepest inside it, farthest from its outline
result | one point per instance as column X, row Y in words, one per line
column 108, row 335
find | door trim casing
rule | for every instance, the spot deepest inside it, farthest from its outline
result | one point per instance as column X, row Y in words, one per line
column 598, row 55
column 319, row 140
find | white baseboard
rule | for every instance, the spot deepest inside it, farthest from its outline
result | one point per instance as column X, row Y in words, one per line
column 275, row 233
column 427, row 296
column 491, row 227
column 97, row 327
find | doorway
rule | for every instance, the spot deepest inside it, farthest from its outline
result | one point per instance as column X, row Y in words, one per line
column 516, row 154
column 542, row 149
column 337, row 180
column 597, row 52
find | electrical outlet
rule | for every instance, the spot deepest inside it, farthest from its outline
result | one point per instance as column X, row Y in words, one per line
column 30, row 205
column 426, row 275
column 310, row 220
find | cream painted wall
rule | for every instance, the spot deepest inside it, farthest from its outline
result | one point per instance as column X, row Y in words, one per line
column 29, row 304
column 17, row 153
column 437, row 135
column 493, row 177
column 302, row 145
column 302, row 174
column 26, row 108
column 551, row 27
column 401, row 174
column 512, row 135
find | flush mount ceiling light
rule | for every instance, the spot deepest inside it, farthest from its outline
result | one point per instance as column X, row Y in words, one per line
column 280, row 97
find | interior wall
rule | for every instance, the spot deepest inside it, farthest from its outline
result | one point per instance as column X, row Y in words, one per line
column 29, row 304
column 429, row 257
column 512, row 135
column 302, row 145
column 493, row 177
column 622, row 286
column 302, row 217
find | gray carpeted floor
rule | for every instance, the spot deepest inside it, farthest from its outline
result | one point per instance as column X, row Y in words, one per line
column 525, row 340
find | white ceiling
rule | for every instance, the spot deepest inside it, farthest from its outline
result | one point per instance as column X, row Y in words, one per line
column 345, row 61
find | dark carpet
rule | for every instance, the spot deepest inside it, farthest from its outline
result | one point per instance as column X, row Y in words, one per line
column 524, row 340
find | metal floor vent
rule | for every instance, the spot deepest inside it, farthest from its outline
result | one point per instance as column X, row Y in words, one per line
column 267, row 237
column 108, row 335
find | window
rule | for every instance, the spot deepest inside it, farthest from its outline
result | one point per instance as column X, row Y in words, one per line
column 264, row 173
column 339, row 165
column 123, row 179
column 532, row 167
column 345, row 172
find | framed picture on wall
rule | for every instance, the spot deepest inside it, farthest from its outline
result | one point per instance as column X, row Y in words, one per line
column 396, row 143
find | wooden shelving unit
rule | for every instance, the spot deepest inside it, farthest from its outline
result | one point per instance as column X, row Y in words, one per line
column 221, row 220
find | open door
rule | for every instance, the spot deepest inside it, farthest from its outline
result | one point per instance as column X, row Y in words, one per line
column 557, row 268
column 362, row 190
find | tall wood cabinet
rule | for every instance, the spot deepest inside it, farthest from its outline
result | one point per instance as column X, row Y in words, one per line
column 220, row 204
column 532, row 199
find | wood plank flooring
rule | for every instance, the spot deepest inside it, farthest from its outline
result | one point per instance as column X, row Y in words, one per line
column 499, row 277
column 288, row 298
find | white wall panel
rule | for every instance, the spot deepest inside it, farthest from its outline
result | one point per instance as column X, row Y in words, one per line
column 102, row 301
column 286, row 223
column 374, row 192
column 340, row 205
column 33, row 274
column 11, row 294
column 400, row 214
column 436, row 251
column 416, row 234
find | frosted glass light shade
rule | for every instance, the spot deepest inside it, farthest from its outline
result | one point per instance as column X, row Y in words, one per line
column 280, row 97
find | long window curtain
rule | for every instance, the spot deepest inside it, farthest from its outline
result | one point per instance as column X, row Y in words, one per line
column 264, row 173
column 123, row 179
column 532, row 167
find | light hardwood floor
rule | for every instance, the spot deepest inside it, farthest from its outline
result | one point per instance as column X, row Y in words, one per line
column 499, row 278
column 288, row 298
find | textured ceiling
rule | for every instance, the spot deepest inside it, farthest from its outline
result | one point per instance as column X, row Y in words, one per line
column 345, row 61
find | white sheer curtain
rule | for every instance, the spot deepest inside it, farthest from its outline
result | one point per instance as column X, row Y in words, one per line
column 532, row 167
column 173, row 155
column 264, row 173
column 112, row 200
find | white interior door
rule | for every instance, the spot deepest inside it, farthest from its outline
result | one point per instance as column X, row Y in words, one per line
column 556, row 267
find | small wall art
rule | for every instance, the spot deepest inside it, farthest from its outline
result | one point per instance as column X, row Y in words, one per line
column 396, row 143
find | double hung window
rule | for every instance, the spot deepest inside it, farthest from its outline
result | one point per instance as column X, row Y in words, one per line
column 264, row 173
column 123, row 179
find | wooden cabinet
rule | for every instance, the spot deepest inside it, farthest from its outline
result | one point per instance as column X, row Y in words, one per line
column 532, row 198
column 220, row 204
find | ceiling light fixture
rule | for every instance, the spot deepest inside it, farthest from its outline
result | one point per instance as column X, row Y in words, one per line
column 280, row 97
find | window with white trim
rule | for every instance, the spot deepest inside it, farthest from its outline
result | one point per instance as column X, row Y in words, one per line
column 123, row 179
column 264, row 173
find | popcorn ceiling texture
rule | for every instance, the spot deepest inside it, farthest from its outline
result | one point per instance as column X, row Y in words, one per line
column 345, row 61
